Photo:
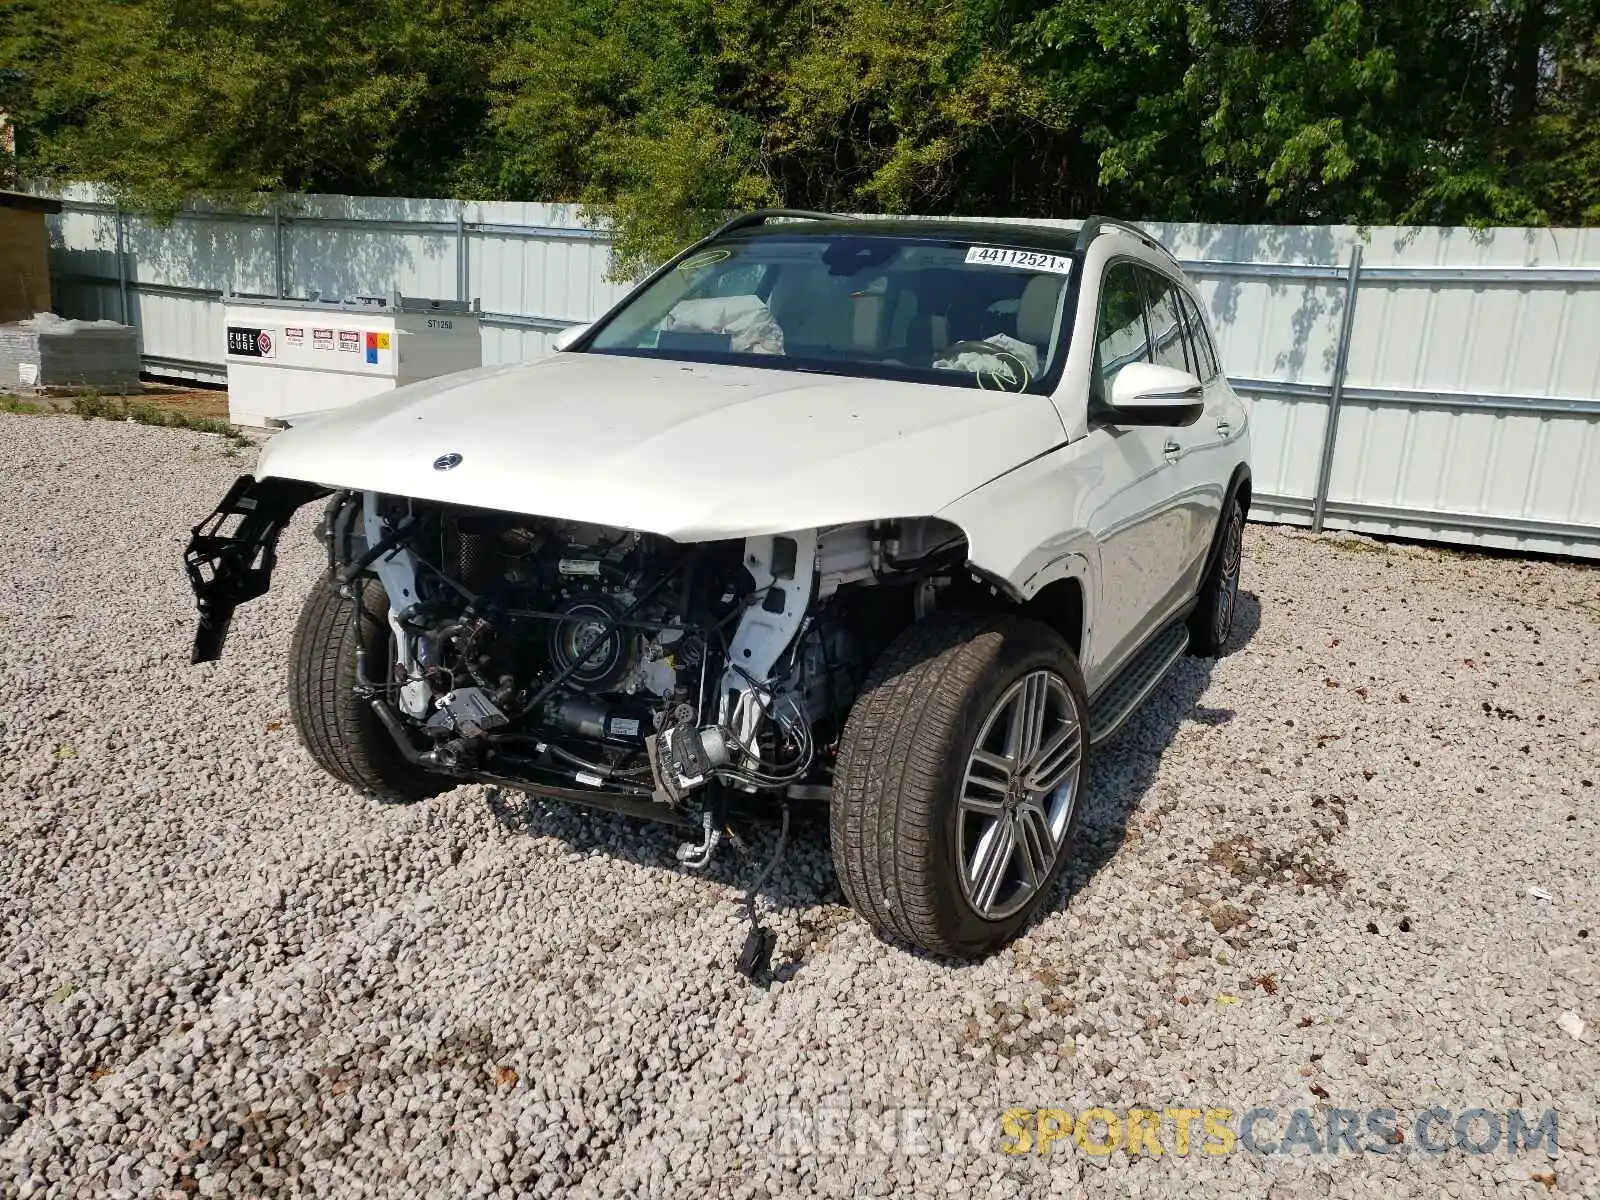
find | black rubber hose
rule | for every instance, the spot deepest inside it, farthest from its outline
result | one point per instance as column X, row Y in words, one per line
column 772, row 865
column 397, row 535
column 397, row 732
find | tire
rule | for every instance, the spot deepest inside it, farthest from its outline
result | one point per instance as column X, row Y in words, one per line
column 899, row 817
column 1211, row 623
column 339, row 729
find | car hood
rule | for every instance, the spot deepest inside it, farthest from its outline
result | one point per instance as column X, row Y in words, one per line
column 692, row 451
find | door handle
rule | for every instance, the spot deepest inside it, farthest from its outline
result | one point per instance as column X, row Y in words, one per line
column 1172, row 450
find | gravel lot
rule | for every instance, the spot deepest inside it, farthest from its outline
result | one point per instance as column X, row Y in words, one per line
column 1351, row 865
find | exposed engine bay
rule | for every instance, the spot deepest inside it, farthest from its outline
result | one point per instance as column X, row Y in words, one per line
column 575, row 658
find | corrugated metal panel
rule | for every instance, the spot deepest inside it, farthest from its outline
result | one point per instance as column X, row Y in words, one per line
column 1470, row 403
column 549, row 281
column 1278, row 336
column 340, row 246
column 1468, row 451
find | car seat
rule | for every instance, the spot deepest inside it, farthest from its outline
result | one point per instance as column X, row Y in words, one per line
column 1038, row 312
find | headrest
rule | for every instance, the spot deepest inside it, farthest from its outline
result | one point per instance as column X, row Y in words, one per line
column 1036, row 311
column 812, row 307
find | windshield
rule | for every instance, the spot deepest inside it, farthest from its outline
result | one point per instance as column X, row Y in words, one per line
column 935, row 310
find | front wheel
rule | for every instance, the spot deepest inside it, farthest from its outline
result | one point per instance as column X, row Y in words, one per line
column 335, row 724
column 959, row 784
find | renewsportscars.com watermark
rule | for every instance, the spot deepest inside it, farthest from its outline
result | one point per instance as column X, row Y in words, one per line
column 1217, row 1131
column 1103, row 1130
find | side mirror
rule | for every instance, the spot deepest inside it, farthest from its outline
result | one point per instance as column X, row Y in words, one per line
column 1146, row 394
column 567, row 336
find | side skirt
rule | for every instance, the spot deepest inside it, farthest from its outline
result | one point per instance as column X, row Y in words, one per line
column 1120, row 699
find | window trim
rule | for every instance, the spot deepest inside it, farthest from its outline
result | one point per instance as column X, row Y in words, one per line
column 1097, row 392
column 1202, row 336
column 1211, row 342
column 1200, row 366
column 1191, row 348
column 1183, row 324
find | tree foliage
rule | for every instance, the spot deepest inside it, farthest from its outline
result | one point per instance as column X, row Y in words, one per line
column 665, row 113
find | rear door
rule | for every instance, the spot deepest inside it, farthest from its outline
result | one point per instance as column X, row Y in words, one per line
column 1225, row 415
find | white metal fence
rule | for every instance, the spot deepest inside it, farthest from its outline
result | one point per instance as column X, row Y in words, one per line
column 1441, row 384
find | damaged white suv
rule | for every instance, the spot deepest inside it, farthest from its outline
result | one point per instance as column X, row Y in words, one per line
column 899, row 516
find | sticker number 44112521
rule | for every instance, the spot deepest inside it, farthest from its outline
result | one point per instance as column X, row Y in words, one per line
column 1022, row 260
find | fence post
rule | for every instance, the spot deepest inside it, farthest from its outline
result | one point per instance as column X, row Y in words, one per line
column 461, row 251
column 122, row 269
column 277, row 250
column 1341, row 361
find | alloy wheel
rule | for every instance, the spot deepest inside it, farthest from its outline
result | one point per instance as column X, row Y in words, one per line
column 1017, row 794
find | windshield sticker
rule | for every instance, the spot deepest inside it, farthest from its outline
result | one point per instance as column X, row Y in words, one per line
column 706, row 258
column 1022, row 260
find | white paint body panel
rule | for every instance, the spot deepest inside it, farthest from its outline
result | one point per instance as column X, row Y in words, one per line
column 1110, row 509
column 688, row 450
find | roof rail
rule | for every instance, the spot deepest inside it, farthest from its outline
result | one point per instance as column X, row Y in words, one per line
column 1095, row 226
column 762, row 215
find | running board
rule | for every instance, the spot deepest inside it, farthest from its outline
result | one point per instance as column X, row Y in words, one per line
column 1120, row 699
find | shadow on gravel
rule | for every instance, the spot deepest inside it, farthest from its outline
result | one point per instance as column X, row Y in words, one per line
column 803, row 885
column 738, row 860
column 1120, row 775
column 1122, row 771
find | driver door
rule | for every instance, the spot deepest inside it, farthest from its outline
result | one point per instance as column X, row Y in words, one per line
column 1141, row 532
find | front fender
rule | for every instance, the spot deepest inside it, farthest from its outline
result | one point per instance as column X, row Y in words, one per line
column 1030, row 526
column 1026, row 530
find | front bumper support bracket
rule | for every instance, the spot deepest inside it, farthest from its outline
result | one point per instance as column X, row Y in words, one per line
column 227, row 569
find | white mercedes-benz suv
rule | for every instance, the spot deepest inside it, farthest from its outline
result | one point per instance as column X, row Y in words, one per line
column 899, row 517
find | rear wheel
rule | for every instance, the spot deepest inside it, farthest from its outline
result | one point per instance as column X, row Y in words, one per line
column 959, row 784
column 1212, row 621
column 337, row 726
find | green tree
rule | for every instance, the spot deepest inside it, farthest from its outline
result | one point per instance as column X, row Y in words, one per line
column 165, row 100
column 665, row 114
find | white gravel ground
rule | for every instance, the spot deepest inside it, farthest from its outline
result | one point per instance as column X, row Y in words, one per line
column 1352, row 865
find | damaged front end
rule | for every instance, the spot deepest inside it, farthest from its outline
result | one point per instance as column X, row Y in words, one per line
column 611, row 668
column 608, row 667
